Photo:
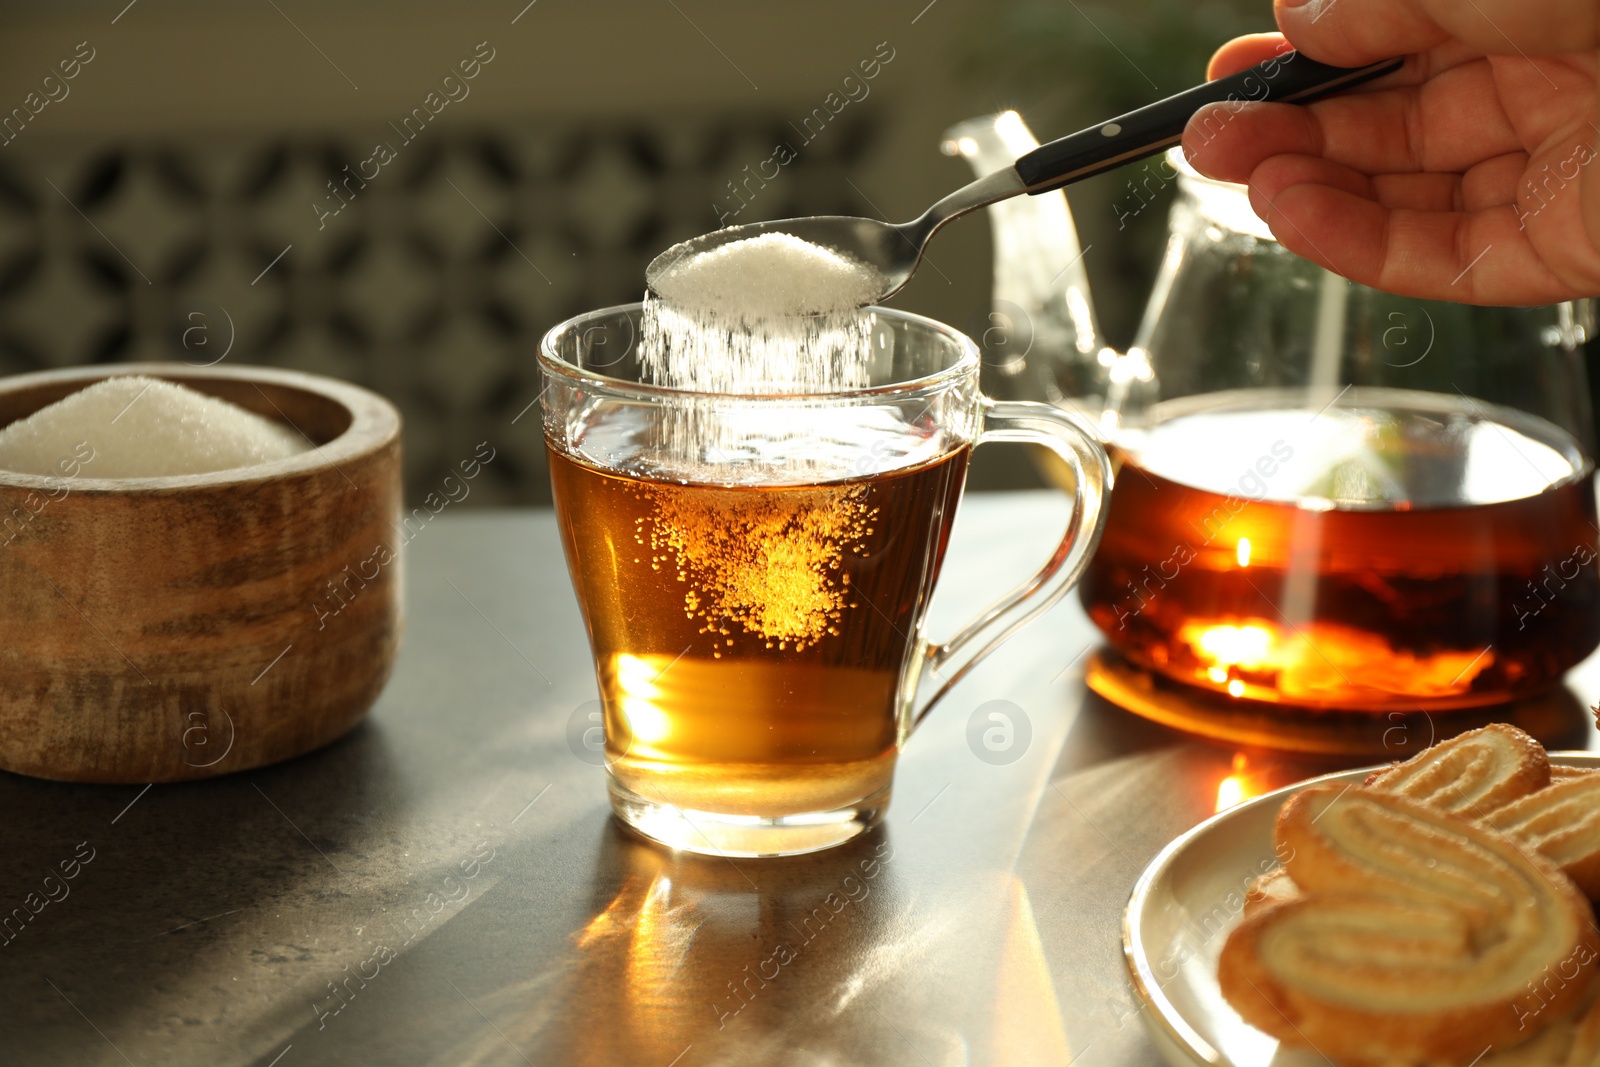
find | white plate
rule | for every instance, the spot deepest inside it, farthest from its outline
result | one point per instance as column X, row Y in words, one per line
column 1180, row 913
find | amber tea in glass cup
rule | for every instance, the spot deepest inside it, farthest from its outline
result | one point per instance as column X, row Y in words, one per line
column 753, row 570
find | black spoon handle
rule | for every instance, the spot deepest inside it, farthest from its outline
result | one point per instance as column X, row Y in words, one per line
column 1287, row 78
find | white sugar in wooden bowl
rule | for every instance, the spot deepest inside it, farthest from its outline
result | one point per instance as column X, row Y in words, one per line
column 144, row 427
column 172, row 627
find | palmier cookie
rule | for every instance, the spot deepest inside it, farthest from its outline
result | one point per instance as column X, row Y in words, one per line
column 1474, row 773
column 1418, row 935
column 1271, row 888
column 1561, row 821
column 1570, row 1041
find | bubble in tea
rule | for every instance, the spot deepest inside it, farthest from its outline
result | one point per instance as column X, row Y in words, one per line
column 762, row 565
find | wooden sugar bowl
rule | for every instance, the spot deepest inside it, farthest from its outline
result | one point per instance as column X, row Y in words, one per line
column 158, row 629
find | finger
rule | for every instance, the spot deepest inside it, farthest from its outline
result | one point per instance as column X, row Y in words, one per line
column 1352, row 33
column 1349, row 33
column 1467, row 257
column 1229, row 141
column 1553, row 198
column 1493, row 182
column 1242, row 53
column 1449, row 124
column 1282, row 172
column 1417, row 192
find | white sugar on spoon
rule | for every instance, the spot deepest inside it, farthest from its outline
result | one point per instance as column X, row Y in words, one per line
column 769, row 314
column 143, row 427
column 775, row 274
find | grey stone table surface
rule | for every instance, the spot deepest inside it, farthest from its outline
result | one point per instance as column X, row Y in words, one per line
column 445, row 886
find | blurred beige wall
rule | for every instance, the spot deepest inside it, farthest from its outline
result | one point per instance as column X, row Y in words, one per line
column 185, row 69
column 219, row 78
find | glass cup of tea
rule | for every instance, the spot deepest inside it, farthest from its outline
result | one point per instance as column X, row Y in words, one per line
column 753, row 570
column 1333, row 498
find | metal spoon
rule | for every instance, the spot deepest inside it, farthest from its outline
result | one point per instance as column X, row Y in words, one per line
column 896, row 250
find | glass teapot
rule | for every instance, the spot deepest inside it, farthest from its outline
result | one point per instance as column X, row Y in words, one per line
column 1042, row 335
column 1328, row 497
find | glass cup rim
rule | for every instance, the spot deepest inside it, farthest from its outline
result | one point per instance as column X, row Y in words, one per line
column 965, row 365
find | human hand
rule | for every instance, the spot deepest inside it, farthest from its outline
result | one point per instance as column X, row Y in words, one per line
column 1464, row 176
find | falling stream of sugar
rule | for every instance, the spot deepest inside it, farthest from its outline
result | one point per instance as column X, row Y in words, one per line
column 766, row 315
column 769, row 315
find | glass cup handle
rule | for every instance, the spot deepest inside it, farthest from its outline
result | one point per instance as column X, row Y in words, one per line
column 1039, row 424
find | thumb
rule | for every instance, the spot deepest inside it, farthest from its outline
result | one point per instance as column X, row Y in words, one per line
column 1350, row 33
column 1244, row 52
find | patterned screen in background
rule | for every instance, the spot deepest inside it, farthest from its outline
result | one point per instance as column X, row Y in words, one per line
column 431, row 286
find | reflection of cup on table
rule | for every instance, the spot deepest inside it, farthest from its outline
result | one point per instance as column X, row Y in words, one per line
column 754, row 569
